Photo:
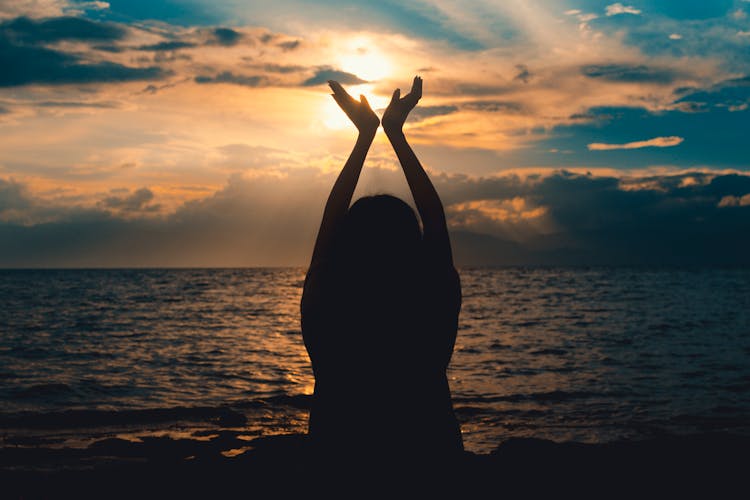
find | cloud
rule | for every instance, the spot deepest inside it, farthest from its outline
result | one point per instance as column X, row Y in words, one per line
column 25, row 61
column 735, row 201
column 657, row 142
column 35, row 8
column 324, row 74
column 226, row 36
column 282, row 68
column 289, row 44
column 551, row 218
column 138, row 201
column 29, row 31
column 492, row 106
column 732, row 93
column 26, row 65
column 618, row 8
column 13, row 196
column 229, row 77
column 321, row 75
column 75, row 104
column 167, row 45
column 631, row 73
column 524, row 75
column 421, row 113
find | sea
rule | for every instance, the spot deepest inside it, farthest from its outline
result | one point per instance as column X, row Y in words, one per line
column 592, row 355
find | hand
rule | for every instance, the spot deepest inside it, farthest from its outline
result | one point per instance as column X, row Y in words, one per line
column 398, row 109
column 359, row 112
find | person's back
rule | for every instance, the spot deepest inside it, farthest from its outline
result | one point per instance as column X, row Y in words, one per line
column 379, row 319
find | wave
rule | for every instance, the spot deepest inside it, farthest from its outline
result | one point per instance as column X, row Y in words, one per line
column 224, row 416
column 42, row 391
column 551, row 396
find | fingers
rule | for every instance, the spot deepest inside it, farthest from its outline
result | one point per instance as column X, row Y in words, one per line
column 341, row 96
column 416, row 92
column 416, row 87
column 363, row 100
column 337, row 88
column 396, row 96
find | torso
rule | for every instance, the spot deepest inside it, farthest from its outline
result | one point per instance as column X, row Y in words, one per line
column 379, row 355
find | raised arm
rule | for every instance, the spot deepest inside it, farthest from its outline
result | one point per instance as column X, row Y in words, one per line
column 425, row 196
column 366, row 121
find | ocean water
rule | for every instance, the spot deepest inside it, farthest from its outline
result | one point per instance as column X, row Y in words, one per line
column 589, row 355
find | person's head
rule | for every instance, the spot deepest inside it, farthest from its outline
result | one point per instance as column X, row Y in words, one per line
column 380, row 230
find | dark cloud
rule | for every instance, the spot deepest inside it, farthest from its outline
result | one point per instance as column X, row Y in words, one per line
column 630, row 73
column 75, row 104
column 589, row 117
column 28, row 31
column 492, row 106
column 138, row 201
column 321, row 76
column 289, row 44
column 421, row 113
column 524, row 75
column 226, row 36
column 26, row 64
column 324, row 74
column 694, row 218
column 229, row 77
column 732, row 93
column 13, row 196
column 281, row 68
column 476, row 89
column 153, row 89
column 690, row 107
column 657, row 220
column 167, row 45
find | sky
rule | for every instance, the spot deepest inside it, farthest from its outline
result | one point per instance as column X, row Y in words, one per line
column 140, row 133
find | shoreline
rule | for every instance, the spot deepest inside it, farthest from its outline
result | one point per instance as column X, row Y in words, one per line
column 226, row 464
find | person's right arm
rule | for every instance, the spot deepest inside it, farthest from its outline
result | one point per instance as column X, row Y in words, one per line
column 428, row 202
column 343, row 189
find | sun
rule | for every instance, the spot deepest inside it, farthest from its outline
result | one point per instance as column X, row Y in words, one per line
column 364, row 60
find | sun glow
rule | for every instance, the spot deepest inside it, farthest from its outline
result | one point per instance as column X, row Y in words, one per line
column 366, row 62
column 335, row 118
column 362, row 59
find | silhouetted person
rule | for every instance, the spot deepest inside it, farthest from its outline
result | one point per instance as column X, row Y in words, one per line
column 380, row 308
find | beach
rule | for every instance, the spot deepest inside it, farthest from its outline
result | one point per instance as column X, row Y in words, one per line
column 709, row 465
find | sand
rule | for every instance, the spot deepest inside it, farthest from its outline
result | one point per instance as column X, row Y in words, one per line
column 225, row 466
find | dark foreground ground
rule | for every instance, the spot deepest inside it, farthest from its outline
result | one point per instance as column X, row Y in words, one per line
column 707, row 465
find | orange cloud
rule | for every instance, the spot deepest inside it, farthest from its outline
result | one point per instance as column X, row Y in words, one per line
column 657, row 142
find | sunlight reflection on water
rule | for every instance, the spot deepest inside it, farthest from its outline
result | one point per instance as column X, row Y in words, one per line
column 565, row 354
